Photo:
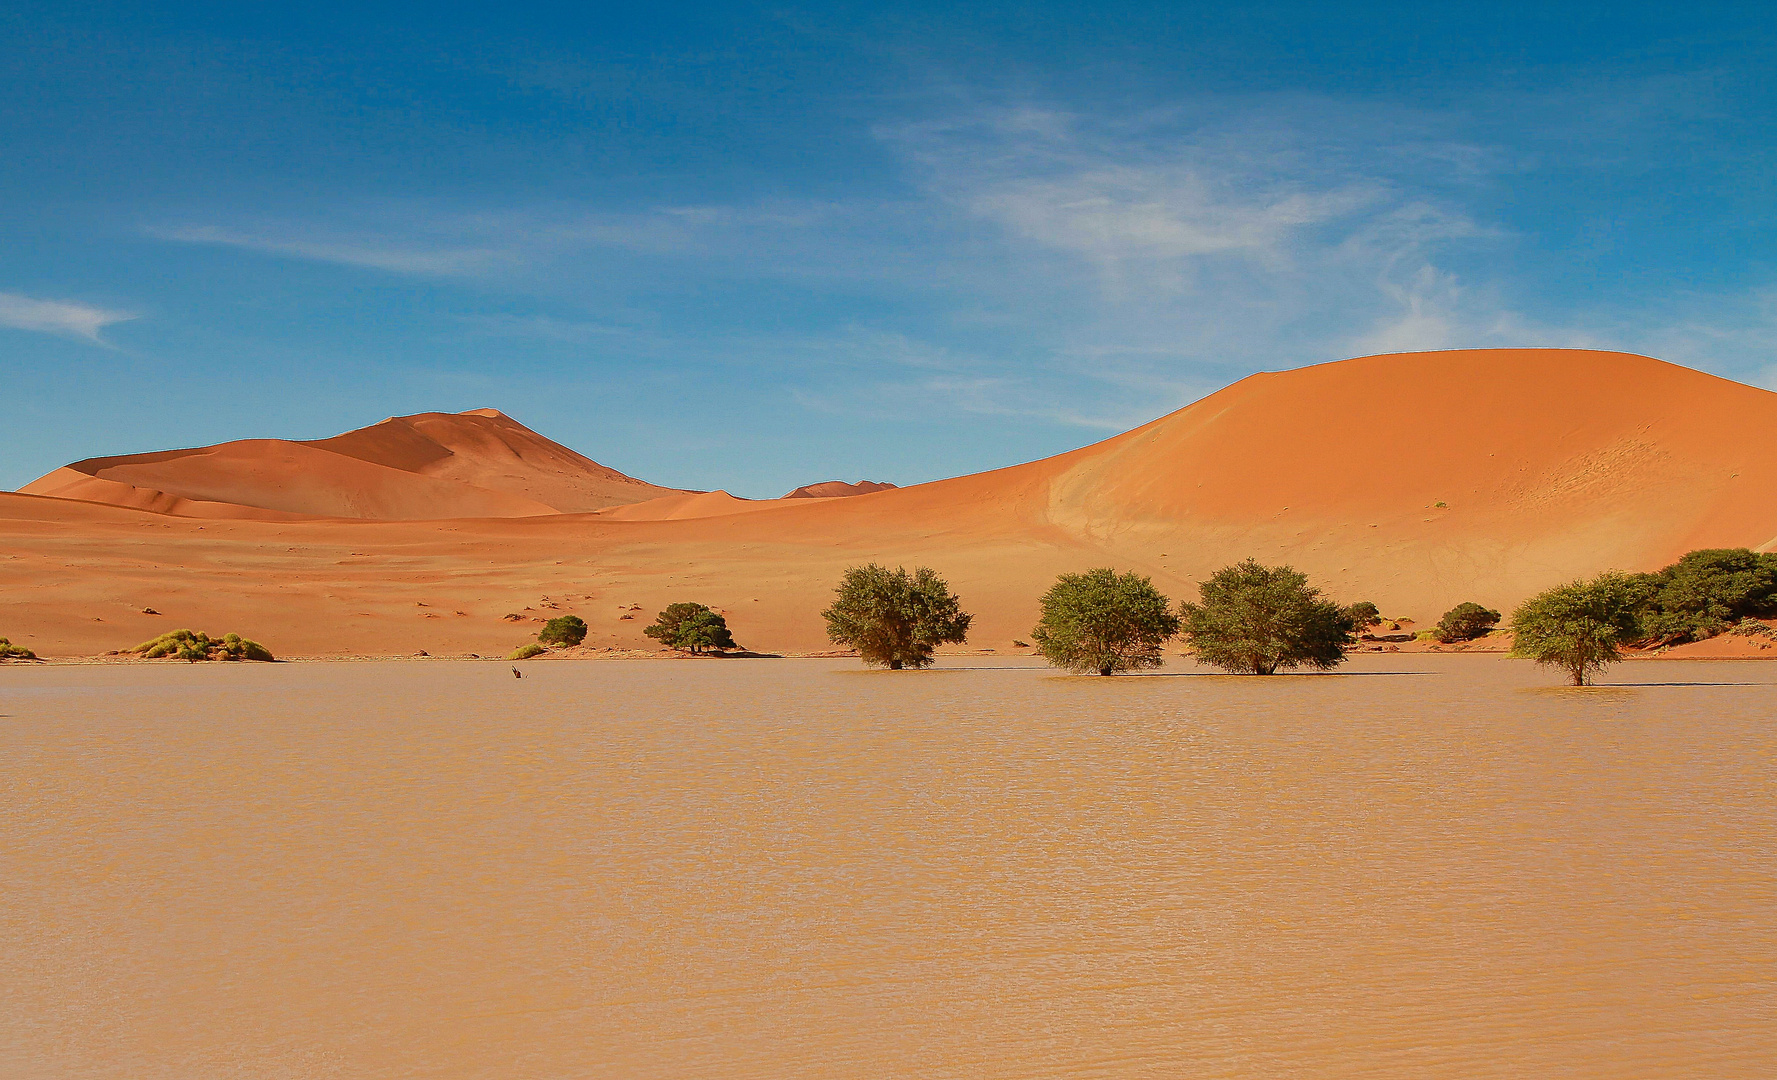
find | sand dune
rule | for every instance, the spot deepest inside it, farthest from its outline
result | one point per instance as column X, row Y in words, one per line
column 433, row 465
column 838, row 489
column 1519, row 469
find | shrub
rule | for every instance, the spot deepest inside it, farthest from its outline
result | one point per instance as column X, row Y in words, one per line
column 525, row 652
column 1256, row 619
column 691, row 626
column 1704, row 593
column 194, row 646
column 895, row 618
column 569, row 630
column 1578, row 627
column 1104, row 621
column 1363, row 616
column 9, row 651
column 1465, row 622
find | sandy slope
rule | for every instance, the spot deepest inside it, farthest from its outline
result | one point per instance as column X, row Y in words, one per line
column 1550, row 464
column 838, row 489
column 433, row 465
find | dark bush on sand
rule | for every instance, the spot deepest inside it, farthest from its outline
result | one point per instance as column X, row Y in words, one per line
column 569, row 630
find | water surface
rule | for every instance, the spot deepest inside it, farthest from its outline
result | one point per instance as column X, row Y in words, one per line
column 1432, row 867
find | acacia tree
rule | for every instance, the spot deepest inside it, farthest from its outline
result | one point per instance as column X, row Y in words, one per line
column 1256, row 619
column 1465, row 622
column 1363, row 616
column 1104, row 621
column 1578, row 627
column 895, row 618
column 691, row 626
column 569, row 630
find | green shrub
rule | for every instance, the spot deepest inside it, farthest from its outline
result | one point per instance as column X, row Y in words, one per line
column 569, row 630
column 194, row 646
column 1703, row 593
column 1256, row 619
column 1465, row 622
column 691, row 626
column 525, row 652
column 1104, row 621
column 895, row 618
column 1580, row 626
column 1363, row 616
column 9, row 651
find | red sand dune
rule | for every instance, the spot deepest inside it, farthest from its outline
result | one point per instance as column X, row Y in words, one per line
column 838, row 489
column 433, row 465
column 1549, row 464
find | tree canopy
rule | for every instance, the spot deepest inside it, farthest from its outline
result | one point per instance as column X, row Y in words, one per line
column 1578, row 627
column 1104, row 621
column 1465, row 622
column 691, row 626
column 894, row 618
column 1363, row 616
column 569, row 630
column 1704, row 593
column 1258, row 619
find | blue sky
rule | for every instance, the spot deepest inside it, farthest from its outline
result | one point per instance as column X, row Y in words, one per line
column 751, row 247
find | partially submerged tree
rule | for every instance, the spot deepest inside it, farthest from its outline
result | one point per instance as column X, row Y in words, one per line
column 1104, row 621
column 1465, row 622
column 1258, row 619
column 1363, row 616
column 895, row 618
column 195, row 645
column 1578, row 627
column 569, row 630
column 691, row 626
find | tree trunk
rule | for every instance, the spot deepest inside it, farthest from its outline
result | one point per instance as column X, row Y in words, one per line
column 1104, row 671
column 894, row 665
column 1579, row 676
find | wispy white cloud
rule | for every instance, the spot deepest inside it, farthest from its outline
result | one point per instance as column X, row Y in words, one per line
column 395, row 257
column 64, row 317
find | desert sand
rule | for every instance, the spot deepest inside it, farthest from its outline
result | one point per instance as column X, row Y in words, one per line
column 1507, row 471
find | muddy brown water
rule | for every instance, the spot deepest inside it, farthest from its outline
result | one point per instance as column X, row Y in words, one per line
column 1430, row 867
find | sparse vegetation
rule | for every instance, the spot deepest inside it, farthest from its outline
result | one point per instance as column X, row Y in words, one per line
column 1465, row 622
column 1104, row 621
column 194, row 646
column 894, row 618
column 691, row 626
column 1257, row 619
column 1363, row 616
column 1704, row 593
column 569, row 630
column 9, row 651
column 1578, row 627
column 525, row 652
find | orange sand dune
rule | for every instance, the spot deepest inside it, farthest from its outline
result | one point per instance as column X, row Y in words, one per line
column 838, row 489
column 1549, row 464
column 433, row 465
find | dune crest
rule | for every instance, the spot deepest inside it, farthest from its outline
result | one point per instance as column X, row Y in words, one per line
column 427, row 466
column 838, row 489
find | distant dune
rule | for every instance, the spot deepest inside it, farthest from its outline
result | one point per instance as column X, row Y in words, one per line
column 837, row 489
column 432, row 465
column 1417, row 481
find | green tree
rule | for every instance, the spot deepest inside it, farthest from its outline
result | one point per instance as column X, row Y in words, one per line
column 1704, row 593
column 569, row 630
column 1465, row 622
column 1363, row 616
column 893, row 617
column 197, row 645
column 1104, row 621
column 1578, row 627
column 1256, row 619
column 9, row 651
column 691, row 626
